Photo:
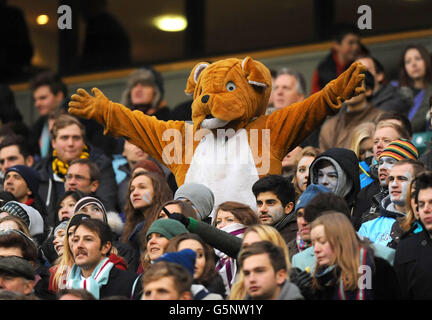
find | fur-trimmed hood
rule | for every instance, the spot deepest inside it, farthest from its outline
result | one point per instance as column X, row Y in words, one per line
column 115, row 222
column 145, row 77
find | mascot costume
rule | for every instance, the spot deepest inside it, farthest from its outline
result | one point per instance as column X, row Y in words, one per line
column 231, row 143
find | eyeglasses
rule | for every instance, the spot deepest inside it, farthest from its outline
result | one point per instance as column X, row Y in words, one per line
column 78, row 177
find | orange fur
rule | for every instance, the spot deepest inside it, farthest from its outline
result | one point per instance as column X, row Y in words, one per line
column 244, row 107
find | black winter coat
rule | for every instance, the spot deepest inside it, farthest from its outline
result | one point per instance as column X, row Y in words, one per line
column 385, row 284
column 287, row 227
column 327, row 70
column 120, row 283
column 413, row 265
column 390, row 98
column 426, row 157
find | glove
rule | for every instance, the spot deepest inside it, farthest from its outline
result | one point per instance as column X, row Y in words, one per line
column 84, row 105
column 179, row 217
column 349, row 83
column 303, row 280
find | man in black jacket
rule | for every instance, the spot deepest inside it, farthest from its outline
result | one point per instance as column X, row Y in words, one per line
column 413, row 258
column 275, row 197
column 92, row 244
column 385, row 96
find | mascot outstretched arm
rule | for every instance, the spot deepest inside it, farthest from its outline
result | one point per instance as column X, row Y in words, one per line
column 231, row 142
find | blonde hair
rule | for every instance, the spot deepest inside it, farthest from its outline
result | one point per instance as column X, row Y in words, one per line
column 345, row 244
column 408, row 221
column 363, row 131
column 401, row 131
column 266, row 233
column 64, row 263
column 20, row 223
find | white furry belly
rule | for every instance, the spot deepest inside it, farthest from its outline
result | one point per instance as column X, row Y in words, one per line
column 226, row 166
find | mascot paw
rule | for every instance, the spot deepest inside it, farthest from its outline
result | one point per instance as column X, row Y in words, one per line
column 353, row 81
column 84, row 105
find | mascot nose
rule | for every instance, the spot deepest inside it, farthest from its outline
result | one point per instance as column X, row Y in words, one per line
column 205, row 98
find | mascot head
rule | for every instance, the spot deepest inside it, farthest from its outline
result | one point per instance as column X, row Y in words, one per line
column 228, row 93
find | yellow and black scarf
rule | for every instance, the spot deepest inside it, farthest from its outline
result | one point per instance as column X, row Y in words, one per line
column 60, row 168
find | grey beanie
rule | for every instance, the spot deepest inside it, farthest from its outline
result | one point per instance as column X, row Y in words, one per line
column 200, row 196
column 61, row 226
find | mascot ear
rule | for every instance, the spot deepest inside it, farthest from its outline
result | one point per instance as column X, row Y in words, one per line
column 193, row 77
column 253, row 74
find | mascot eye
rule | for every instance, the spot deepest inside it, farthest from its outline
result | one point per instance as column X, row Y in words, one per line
column 230, row 86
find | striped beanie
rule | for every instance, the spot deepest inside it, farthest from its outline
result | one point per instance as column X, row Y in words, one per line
column 85, row 201
column 14, row 208
column 400, row 149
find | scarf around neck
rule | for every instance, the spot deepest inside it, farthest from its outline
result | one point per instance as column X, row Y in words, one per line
column 98, row 278
column 60, row 168
column 301, row 244
column 331, row 276
column 227, row 266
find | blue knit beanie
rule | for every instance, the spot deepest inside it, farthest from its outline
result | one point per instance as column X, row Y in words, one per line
column 311, row 191
column 30, row 176
column 185, row 258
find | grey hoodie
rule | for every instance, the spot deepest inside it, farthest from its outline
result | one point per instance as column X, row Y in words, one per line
column 344, row 184
column 289, row 291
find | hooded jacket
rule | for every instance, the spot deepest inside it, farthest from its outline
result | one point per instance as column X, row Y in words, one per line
column 148, row 77
column 346, row 164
